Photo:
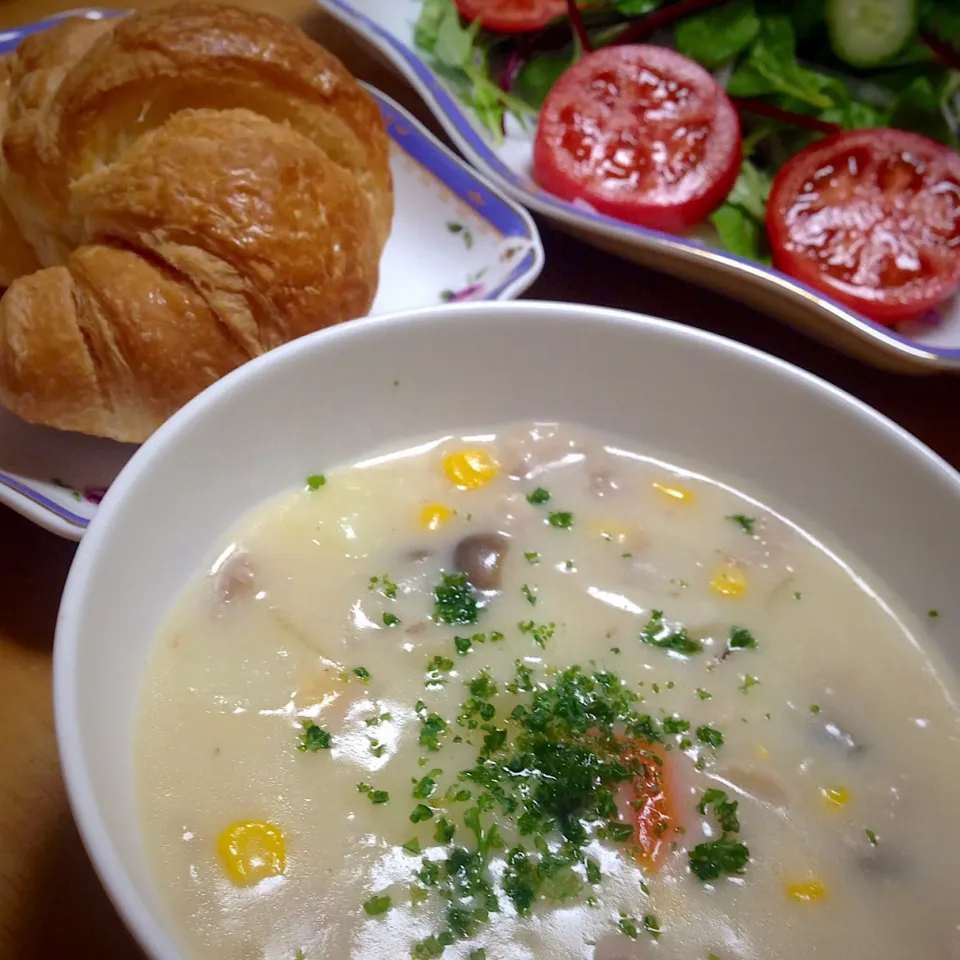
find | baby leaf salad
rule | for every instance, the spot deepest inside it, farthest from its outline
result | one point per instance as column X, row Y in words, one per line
column 817, row 135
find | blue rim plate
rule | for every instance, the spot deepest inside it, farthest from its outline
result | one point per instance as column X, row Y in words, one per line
column 456, row 237
column 918, row 347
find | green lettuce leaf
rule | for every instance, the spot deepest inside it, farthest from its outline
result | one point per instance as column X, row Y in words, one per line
column 716, row 36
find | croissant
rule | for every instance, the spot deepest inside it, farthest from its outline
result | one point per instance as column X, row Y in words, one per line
column 180, row 191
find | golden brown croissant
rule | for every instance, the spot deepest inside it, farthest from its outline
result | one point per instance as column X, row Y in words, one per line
column 200, row 184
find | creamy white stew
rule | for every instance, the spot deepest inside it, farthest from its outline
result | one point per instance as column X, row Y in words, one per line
column 533, row 695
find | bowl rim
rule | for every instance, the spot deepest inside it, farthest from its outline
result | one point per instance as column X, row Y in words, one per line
column 68, row 641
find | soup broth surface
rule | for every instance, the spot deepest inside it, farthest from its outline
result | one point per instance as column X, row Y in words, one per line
column 533, row 695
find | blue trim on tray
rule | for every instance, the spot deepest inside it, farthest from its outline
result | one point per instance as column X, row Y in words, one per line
column 460, row 180
column 25, row 491
column 479, row 144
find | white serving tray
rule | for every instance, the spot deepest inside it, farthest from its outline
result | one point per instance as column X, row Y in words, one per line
column 454, row 237
column 917, row 348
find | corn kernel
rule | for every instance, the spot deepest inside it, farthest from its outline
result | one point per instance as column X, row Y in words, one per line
column 680, row 494
column 807, row 891
column 434, row 515
column 251, row 851
column 835, row 796
column 729, row 582
column 470, row 469
column 762, row 753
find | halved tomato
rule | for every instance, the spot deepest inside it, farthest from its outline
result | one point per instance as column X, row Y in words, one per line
column 512, row 16
column 872, row 218
column 645, row 803
column 640, row 133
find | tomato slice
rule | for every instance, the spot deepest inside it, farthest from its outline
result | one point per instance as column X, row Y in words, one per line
column 512, row 16
column 872, row 218
column 645, row 802
column 640, row 133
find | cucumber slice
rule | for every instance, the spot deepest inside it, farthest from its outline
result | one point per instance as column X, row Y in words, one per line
column 865, row 33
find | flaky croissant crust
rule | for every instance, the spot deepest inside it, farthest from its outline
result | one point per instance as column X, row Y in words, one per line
column 200, row 184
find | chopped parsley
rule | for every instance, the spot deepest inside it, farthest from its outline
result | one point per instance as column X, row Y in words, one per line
column 376, row 747
column 435, row 670
column 741, row 639
column 538, row 496
column 710, row 736
column 552, row 771
column 672, row 637
column 390, row 620
column 362, row 673
column 424, row 787
column 532, row 557
column 614, row 649
column 704, row 694
column 652, row 925
column 421, row 812
column 712, row 860
column 299, row 955
column 530, row 595
column 628, row 926
column 672, row 725
column 444, row 831
column 377, row 905
column 724, row 856
column 313, row 739
column 375, row 796
column 315, row 481
column 431, row 730
column 384, row 585
column 797, row 595
column 463, row 644
column 871, row 836
column 412, row 846
column 541, row 632
column 562, row 520
column 748, row 682
column 747, row 524
column 454, row 600
column 814, row 708
column 933, row 614
column 724, row 809
column 478, row 954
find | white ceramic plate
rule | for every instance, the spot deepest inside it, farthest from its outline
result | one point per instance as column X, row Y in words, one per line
column 389, row 25
column 454, row 237
column 334, row 396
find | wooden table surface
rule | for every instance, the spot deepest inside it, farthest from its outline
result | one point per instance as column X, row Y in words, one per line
column 51, row 904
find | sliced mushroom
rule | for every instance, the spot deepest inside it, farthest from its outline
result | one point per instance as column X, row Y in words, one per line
column 233, row 576
column 480, row 556
column 758, row 785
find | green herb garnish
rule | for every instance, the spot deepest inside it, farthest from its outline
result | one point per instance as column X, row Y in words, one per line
column 672, row 637
column 652, row 925
column 674, row 725
column 746, row 524
column 704, row 694
column 420, row 812
column 562, row 520
column 717, row 858
column 748, row 682
column 710, row 736
column 628, row 926
column 412, row 846
column 530, row 595
column 741, row 639
column 541, row 632
column 872, row 837
column 383, row 585
column 362, row 673
column 313, row 739
column 377, row 905
column 538, row 497
column 390, row 620
column 454, row 600
column 532, row 557
column 315, row 481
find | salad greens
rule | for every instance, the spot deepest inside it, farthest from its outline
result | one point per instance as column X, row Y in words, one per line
column 781, row 62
